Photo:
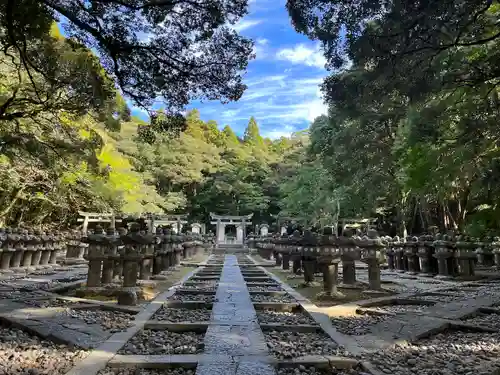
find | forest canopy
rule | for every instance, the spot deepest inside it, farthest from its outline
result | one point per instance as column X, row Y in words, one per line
column 411, row 136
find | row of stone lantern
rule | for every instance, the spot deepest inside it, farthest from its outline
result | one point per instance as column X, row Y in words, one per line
column 24, row 250
column 311, row 254
column 136, row 255
column 434, row 256
column 442, row 256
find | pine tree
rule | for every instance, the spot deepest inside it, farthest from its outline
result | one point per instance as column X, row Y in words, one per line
column 252, row 135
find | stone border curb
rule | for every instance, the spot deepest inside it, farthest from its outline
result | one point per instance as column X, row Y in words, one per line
column 322, row 319
column 99, row 357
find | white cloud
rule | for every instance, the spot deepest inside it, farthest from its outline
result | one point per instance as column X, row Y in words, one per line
column 287, row 98
column 245, row 24
column 276, row 133
column 303, row 55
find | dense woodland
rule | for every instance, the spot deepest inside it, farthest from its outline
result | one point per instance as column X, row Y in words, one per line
column 411, row 136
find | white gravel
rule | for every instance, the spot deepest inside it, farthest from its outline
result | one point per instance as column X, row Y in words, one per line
column 449, row 353
column 112, row 321
column 24, row 354
column 144, row 371
column 151, row 342
column 285, row 345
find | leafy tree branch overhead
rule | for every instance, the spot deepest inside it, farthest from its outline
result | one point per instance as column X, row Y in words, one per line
column 177, row 50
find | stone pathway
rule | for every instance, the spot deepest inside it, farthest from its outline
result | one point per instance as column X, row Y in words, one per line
column 234, row 343
column 234, row 332
column 20, row 299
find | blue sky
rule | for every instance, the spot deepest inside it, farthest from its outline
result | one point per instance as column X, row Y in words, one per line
column 283, row 93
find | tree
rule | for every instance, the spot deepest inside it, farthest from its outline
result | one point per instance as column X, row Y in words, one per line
column 178, row 50
column 252, row 135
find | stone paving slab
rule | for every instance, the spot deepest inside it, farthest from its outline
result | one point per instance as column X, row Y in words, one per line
column 322, row 319
column 234, row 340
column 50, row 324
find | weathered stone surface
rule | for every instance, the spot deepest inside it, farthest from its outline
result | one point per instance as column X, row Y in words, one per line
column 234, row 330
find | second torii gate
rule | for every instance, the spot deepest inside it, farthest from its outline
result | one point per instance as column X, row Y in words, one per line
column 222, row 220
column 156, row 220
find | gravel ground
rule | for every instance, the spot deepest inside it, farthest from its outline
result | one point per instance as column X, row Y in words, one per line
column 267, row 281
column 201, row 283
column 145, row 371
column 311, row 370
column 401, row 309
column 270, row 288
column 52, row 303
column 285, row 345
column 356, row 325
column 34, row 298
column 200, row 288
column 43, row 273
column 284, row 317
column 182, row 315
column 112, row 321
column 473, row 292
column 485, row 319
column 259, row 283
column 453, row 353
column 24, row 354
column 281, row 298
column 151, row 342
column 193, row 297
column 439, row 298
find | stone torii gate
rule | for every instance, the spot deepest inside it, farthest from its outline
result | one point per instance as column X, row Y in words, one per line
column 222, row 220
column 157, row 220
column 94, row 217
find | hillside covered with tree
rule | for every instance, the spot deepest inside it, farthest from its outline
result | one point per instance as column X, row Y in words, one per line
column 69, row 143
column 411, row 136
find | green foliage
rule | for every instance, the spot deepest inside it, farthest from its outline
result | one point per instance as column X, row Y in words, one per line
column 412, row 134
column 150, row 48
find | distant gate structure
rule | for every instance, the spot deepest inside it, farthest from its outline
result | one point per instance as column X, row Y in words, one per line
column 177, row 221
column 239, row 221
column 94, row 217
column 152, row 220
column 363, row 224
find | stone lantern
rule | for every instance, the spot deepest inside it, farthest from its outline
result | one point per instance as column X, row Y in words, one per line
column 484, row 253
column 8, row 250
column 349, row 254
column 411, row 252
column 328, row 259
column 465, row 256
column 310, row 251
column 296, row 253
column 268, row 247
column 425, row 253
column 178, row 249
column 110, row 256
column 391, row 255
column 496, row 252
column 287, row 246
column 48, row 248
column 443, row 254
column 30, row 243
column 160, row 252
column 276, row 241
column 97, row 247
column 371, row 249
column 135, row 245
column 399, row 254
column 19, row 247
